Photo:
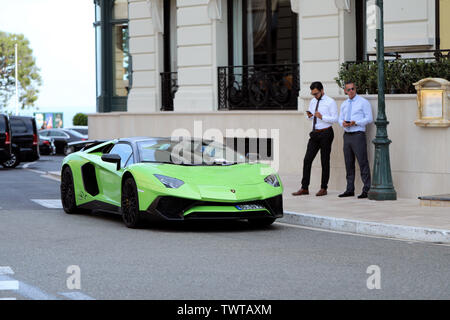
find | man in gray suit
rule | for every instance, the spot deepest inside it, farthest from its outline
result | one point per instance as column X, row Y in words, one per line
column 355, row 115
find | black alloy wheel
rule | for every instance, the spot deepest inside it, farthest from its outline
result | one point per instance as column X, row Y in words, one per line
column 130, row 204
column 68, row 191
column 14, row 161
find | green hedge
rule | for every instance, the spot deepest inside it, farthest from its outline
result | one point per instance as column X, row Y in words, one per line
column 400, row 74
column 80, row 119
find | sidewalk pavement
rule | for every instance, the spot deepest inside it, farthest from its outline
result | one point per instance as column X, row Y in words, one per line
column 402, row 219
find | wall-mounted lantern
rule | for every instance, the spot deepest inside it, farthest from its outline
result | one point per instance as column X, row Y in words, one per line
column 433, row 100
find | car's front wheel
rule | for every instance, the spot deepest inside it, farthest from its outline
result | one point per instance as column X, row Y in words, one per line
column 14, row 161
column 130, row 204
column 68, row 191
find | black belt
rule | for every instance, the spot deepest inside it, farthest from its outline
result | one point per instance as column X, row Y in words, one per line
column 354, row 132
column 320, row 130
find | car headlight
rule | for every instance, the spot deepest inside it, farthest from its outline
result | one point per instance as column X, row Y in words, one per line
column 272, row 180
column 169, row 182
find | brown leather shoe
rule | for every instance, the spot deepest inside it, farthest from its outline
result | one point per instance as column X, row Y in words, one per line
column 300, row 192
column 322, row 192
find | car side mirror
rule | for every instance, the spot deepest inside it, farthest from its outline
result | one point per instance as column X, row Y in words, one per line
column 112, row 158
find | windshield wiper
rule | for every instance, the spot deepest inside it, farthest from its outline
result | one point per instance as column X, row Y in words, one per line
column 223, row 163
column 168, row 162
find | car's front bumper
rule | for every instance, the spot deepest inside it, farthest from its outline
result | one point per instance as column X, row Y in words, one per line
column 173, row 208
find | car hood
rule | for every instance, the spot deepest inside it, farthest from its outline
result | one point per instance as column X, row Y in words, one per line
column 227, row 175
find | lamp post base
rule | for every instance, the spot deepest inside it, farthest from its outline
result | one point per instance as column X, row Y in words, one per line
column 382, row 194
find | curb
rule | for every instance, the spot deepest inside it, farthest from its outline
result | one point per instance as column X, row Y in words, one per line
column 367, row 227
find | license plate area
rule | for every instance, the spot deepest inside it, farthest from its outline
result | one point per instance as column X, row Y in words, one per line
column 252, row 206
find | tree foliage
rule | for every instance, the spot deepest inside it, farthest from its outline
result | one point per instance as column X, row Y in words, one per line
column 29, row 79
column 80, row 119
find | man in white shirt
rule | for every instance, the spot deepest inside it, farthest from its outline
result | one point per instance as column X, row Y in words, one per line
column 323, row 113
column 356, row 113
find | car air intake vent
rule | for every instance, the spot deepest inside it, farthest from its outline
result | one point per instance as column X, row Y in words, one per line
column 173, row 207
column 89, row 179
column 275, row 205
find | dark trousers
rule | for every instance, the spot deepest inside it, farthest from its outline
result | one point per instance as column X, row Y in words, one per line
column 355, row 146
column 318, row 141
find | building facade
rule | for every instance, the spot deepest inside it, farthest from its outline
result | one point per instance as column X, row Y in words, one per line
column 244, row 67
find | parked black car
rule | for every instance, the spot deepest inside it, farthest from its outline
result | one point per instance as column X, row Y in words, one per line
column 24, row 141
column 5, row 138
column 80, row 129
column 62, row 137
column 46, row 146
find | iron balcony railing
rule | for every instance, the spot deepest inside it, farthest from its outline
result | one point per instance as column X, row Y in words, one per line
column 169, row 86
column 258, row 87
column 415, row 54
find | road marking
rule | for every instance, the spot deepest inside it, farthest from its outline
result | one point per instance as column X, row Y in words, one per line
column 6, row 270
column 76, row 295
column 47, row 176
column 37, row 171
column 27, row 290
column 9, row 285
column 25, row 166
column 49, row 203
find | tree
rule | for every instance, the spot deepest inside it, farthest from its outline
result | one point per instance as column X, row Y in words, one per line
column 80, row 119
column 29, row 79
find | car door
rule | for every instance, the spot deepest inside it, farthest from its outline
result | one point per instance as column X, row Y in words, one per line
column 22, row 137
column 109, row 177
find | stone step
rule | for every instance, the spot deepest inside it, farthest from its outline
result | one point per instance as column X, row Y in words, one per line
column 442, row 200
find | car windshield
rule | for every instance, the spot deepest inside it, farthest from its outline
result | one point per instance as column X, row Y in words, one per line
column 188, row 152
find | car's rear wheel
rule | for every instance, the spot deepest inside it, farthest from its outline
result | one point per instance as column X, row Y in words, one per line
column 14, row 161
column 68, row 191
column 261, row 222
column 130, row 204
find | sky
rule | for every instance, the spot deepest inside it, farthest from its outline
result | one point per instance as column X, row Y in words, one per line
column 62, row 38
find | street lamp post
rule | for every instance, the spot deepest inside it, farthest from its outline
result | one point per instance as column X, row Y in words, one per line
column 382, row 187
column 16, row 79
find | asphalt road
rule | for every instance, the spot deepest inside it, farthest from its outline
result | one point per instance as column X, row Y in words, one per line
column 194, row 261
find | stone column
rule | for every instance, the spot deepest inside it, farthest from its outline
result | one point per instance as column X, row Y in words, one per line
column 326, row 39
column 144, row 95
column 197, row 56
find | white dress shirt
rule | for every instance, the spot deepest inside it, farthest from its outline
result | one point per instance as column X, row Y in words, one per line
column 328, row 110
column 357, row 109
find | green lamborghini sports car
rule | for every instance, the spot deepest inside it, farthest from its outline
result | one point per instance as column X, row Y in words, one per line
column 145, row 178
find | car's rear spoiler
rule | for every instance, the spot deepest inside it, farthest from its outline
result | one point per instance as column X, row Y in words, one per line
column 85, row 144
